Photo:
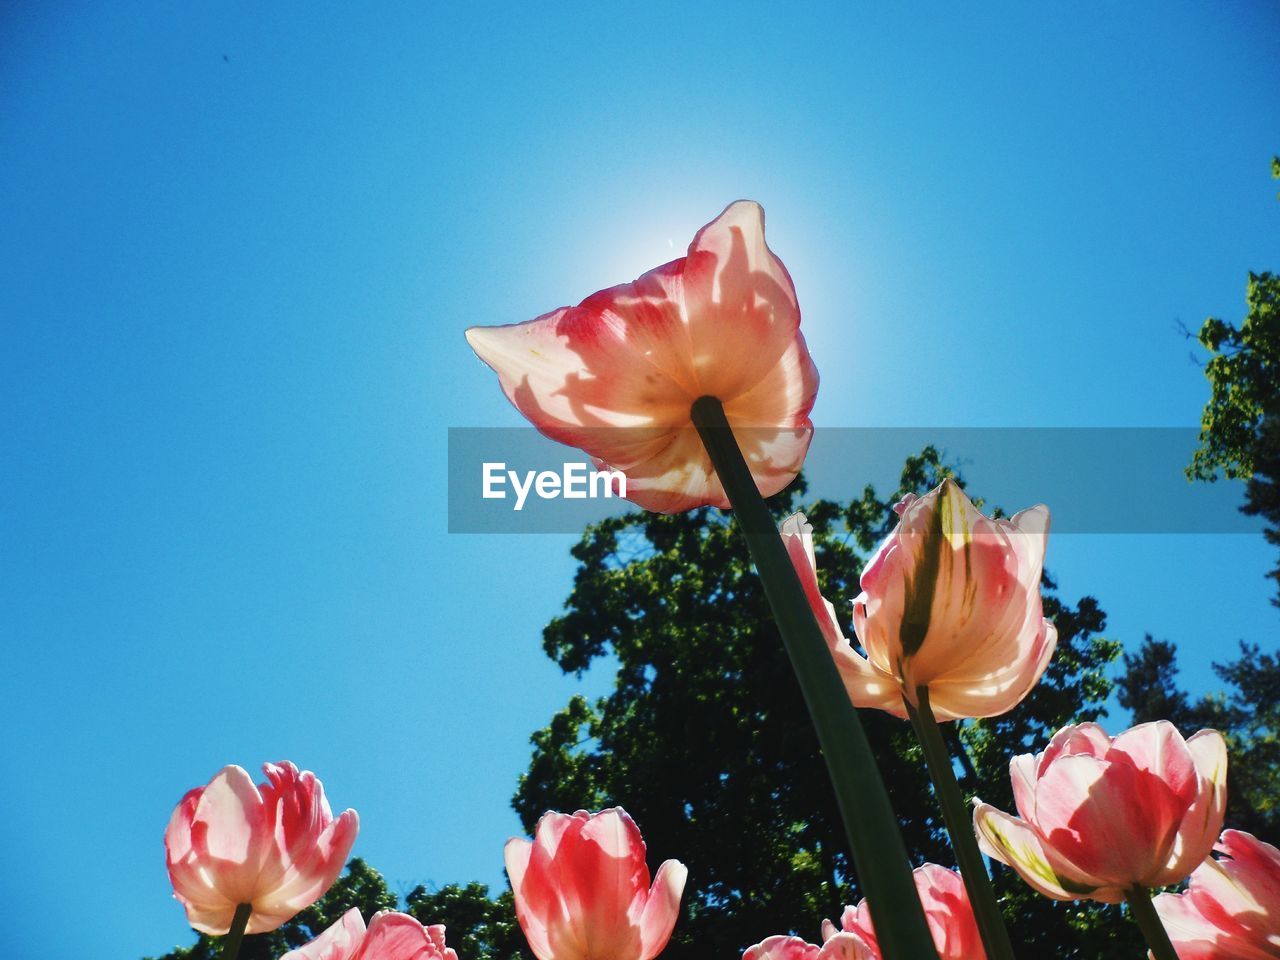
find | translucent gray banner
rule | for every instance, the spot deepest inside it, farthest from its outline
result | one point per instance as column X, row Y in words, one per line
column 1094, row 480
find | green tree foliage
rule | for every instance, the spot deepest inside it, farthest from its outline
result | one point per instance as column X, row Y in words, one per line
column 1248, row 714
column 478, row 927
column 1240, row 428
column 361, row 886
column 705, row 738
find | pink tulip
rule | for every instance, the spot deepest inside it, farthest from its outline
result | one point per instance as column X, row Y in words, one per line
column 582, row 889
column 1100, row 817
column 950, row 601
column 838, row 946
column 946, row 908
column 1232, row 908
column 616, row 375
column 276, row 847
column 390, row 936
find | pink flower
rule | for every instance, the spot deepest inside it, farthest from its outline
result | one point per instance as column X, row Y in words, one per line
column 946, row 908
column 582, row 889
column 616, row 375
column 276, row 847
column 950, row 601
column 838, row 946
column 390, row 936
column 1100, row 817
column 1232, row 909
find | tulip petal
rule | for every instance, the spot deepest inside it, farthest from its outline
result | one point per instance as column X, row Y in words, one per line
column 533, row 899
column 797, row 537
column 1110, row 819
column 1014, row 843
column 339, row 942
column 231, row 812
column 948, row 912
column 1256, row 865
column 1083, row 739
column 1158, row 748
column 847, row 946
column 1022, row 777
column 662, row 908
column 788, row 388
column 781, row 948
column 857, row 919
column 1239, row 896
column 1194, row 937
column 1216, row 933
column 866, row 685
column 303, row 882
column 739, row 300
column 225, row 848
column 603, row 877
column 398, row 936
column 999, row 690
column 1202, row 822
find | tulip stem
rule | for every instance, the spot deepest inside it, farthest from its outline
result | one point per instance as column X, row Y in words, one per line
column 231, row 945
column 955, row 814
column 879, row 855
column 1144, row 913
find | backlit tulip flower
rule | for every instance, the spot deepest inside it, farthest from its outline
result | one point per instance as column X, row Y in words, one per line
column 1232, row 907
column 1101, row 817
column 389, row 936
column 616, row 375
column 276, row 847
column 946, row 908
column 838, row 946
column 582, row 889
column 950, row 601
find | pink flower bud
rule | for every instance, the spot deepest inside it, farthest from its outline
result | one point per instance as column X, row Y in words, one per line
column 946, row 908
column 1101, row 816
column 950, row 601
column 1232, row 907
column 837, row 946
column 390, row 936
column 616, row 375
column 582, row 889
column 276, row 847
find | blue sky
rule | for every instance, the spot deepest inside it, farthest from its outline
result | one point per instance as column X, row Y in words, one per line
column 238, row 248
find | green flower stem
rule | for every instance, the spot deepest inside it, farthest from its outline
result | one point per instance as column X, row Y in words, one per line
column 995, row 938
column 231, row 945
column 879, row 855
column 1144, row 912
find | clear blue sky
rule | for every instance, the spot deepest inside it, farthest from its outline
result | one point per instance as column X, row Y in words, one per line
column 238, row 247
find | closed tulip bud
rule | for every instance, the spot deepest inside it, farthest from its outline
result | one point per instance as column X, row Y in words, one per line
column 946, row 908
column 617, row 375
column 950, row 602
column 389, row 936
column 276, row 847
column 837, row 946
column 1232, row 907
column 1100, row 817
column 582, row 889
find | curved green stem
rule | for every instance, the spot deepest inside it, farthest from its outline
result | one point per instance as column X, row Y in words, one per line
column 879, row 855
column 231, row 945
column 1144, row 913
column 995, row 938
